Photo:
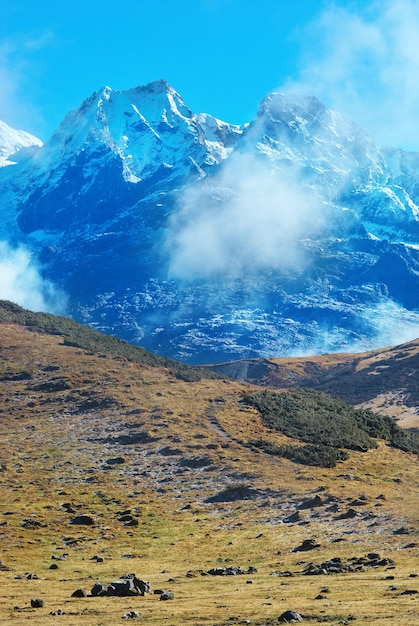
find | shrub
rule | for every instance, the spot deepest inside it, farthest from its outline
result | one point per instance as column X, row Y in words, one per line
column 312, row 417
column 316, row 455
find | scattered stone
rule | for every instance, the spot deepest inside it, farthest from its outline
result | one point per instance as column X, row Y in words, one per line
column 349, row 477
column 98, row 590
column 401, row 531
column 32, row 524
column 333, row 508
column 294, row 517
column 311, row 503
column 290, row 617
column 230, row 571
column 167, row 595
column 68, row 507
column 86, row 520
column 57, row 612
column 119, row 460
column 79, row 593
column 131, row 615
column 350, row 514
column 308, row 544
column 409, row 592
column 358, row 502
column 37, row 603
column 53, row 566
column 129, row 585
column 337, row 566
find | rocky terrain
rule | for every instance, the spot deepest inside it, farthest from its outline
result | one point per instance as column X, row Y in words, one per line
column 131, row 490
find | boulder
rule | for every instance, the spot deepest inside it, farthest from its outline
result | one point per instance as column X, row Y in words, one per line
column 290, row 617
column 79, row 593
column 98, row 590
column 308, row 544
column 167, row 595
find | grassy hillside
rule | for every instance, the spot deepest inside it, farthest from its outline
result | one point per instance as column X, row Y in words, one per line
column 383, row 380
column 84, row 337
column 112, row 466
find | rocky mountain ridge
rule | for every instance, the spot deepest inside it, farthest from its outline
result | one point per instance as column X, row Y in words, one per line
column 205, row 241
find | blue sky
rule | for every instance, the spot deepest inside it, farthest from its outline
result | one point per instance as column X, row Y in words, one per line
column 223, row 56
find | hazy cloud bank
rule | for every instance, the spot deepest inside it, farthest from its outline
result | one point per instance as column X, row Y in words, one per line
column 22, row 283
column 247, row 219
column 364, row 62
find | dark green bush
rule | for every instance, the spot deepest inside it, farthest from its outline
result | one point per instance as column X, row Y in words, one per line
column 312, row 417
column 318, row 418
column 317, row 455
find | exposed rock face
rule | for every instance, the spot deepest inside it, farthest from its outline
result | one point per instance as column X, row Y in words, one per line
column 207, row 241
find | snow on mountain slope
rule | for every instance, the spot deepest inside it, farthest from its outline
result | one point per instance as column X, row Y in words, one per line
column 125, row 145
column 12, row 141
column 206, row 241
column 339, row 159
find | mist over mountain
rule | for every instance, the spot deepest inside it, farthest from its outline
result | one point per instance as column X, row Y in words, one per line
column 206, row 241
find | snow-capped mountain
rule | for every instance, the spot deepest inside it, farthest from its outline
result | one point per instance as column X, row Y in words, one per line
column 207, row 241
column 12, row 142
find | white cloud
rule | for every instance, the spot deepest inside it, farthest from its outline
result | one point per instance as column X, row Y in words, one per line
column 22, row 283
column 248, row 218
column 366, row 64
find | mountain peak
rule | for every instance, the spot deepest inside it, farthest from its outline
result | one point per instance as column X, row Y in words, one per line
column 12, row 141
column 277, row 102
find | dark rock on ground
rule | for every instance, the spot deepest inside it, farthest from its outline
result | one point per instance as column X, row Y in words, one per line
column 230, row 571
column 350, row 514
column 98, row 590
column 308, row 544
column 129, row 585
column 167, row 595
column 85, row 520
column 311, row 503
column 119, row 460
column 401, row 531
column 37, row 603
column 337, row 566
column 290, row 617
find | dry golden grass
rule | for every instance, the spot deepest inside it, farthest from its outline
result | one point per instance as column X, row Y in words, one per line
column 64, row 413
